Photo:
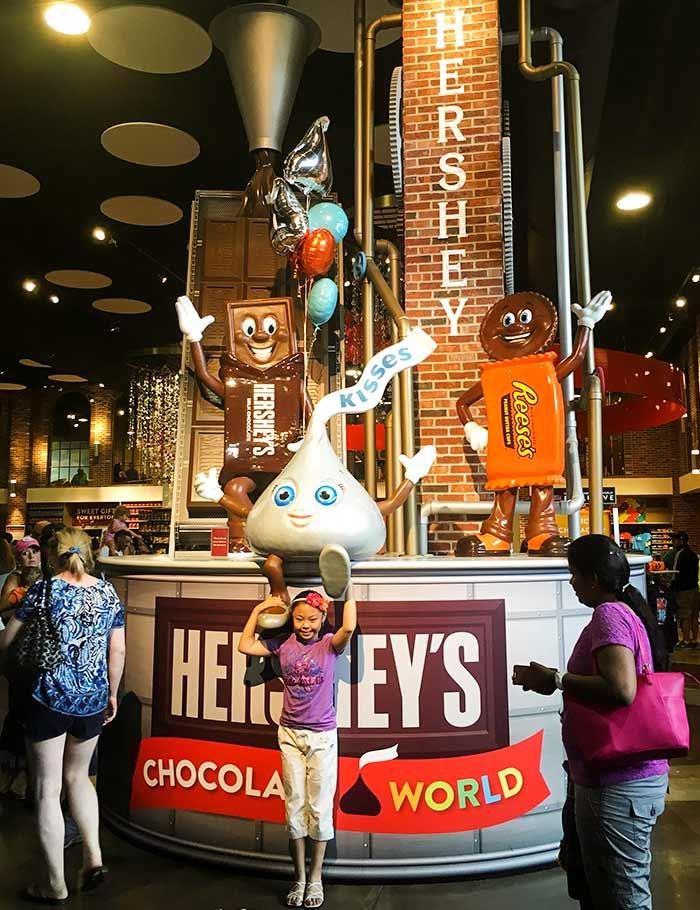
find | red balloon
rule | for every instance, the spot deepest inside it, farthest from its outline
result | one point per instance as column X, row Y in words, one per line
column 317, row 252
column 295, row 258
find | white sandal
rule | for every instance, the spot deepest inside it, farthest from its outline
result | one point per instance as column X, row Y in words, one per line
column 314, row 894
column 295, row 895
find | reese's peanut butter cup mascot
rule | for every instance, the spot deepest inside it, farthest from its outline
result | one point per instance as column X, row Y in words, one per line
column 261, row 384
column 315, row 507
column 525, row 416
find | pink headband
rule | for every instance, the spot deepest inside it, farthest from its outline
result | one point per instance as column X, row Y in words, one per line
column 314, row 599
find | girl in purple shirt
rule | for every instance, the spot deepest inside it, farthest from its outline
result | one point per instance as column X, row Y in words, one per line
column 307, row 731
column 615, row 809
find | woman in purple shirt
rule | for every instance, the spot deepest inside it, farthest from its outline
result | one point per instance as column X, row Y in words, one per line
column 615, row 809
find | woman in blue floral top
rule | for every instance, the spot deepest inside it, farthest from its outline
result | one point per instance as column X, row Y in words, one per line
column 67, row 707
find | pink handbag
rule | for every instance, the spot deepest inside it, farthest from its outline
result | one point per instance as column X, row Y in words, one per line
column 654, row 726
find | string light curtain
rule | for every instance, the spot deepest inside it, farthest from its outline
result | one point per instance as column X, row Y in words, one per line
column 154, row 396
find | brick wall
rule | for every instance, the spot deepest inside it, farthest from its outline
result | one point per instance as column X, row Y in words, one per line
column 26, row 447
column 652, row 453
column 454, row 271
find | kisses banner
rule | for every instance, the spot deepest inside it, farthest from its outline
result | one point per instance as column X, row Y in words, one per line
column 380, row 792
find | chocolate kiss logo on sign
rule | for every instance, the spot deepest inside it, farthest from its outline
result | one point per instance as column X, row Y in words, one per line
column 315, row 499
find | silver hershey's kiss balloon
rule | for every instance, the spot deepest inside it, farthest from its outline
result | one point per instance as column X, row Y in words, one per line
column 308, row 165
column 289, row 222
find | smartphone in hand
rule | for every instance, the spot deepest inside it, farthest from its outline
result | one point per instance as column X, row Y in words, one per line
column 520, row 672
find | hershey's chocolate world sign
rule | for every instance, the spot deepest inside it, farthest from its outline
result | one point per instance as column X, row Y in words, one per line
column 428, row 676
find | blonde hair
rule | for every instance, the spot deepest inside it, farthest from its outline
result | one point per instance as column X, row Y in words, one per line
column 121, row 512
column 72, row 552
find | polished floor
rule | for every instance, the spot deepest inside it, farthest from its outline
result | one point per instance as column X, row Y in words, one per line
column 143, row 879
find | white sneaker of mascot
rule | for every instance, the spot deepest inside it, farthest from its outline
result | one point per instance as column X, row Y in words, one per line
column 315, row 501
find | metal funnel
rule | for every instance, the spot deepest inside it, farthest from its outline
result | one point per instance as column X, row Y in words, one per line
column 265, row 47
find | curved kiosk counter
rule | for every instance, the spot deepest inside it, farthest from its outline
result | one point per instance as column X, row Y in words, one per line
column 446, row 768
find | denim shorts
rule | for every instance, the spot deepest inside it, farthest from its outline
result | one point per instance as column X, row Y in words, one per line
column 614, row 826
column 41, row 723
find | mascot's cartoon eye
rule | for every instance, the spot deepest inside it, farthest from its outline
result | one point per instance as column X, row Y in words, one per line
column 508, row 320
column 525, row 317
column 248, row 326
column 284, row 495
column 270, row 325
column 327, row 494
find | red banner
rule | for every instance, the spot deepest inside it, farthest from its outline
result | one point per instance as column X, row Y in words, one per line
column 382, row 795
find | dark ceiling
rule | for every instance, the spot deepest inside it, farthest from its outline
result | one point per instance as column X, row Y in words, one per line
column 640, row 71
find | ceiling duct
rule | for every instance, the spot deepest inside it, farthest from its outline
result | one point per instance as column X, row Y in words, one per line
column 266, row 47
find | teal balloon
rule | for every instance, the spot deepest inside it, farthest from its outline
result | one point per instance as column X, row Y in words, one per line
column 330, row 216
column 323, row 299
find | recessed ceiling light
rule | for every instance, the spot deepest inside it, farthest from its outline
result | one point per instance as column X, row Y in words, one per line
column 681, row 302
column 663, row 329
column 101, row 385
column 695, row 278
column 163, row 279
column 633, row 201
column 99, row 233
column 29, row 285
column 67, row 18
column 649, row 355
column 120, row 412
column 54, row 298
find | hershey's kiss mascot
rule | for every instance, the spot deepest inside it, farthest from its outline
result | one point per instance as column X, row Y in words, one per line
column 315, row 507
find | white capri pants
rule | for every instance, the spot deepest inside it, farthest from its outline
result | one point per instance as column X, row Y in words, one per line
column 309, row 774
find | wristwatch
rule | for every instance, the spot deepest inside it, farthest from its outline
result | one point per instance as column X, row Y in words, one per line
column 559, row 680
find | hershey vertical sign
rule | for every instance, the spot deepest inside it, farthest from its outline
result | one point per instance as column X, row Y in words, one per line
column 449, row 37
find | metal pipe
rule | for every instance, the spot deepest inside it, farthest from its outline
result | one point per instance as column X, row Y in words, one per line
column 468, row 507
column 507, row 171
column 595, row 452
column 406, row 380
column 394, row 430
column 390, row 482
column 560, row 68
column 360, row 18
column 383, row 22
column 574, row 485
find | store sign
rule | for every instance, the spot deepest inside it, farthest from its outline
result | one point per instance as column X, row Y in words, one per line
column 450, row 40
column 387, row 795
column 432, row 677
column 609, row 497
column 422, row 710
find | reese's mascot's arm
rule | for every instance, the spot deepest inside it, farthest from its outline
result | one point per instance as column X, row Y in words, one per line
column 192, row 326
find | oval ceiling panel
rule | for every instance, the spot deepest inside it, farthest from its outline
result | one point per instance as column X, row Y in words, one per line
column 149, row 39
column 124, row 306
column 28, row 362
column 78, row 278
column 16, row 183
column 67, row 377
column 145, row 211
column 152, row 144
column 12, row 387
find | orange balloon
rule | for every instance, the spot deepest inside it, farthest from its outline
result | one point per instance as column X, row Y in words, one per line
column 317, row 252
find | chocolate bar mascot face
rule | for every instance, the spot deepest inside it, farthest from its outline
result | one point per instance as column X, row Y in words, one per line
column 525, row 414
column 517, row 326
column 262, row 335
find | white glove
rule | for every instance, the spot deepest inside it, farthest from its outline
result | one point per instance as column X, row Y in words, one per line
column 417, row 467
column 192, row 325
column 591, row 314
column 296, row 445
column 207, row 486
column 476, row 436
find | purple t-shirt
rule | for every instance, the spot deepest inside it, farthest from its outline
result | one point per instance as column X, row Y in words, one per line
column 308, row 674
column 612, row 624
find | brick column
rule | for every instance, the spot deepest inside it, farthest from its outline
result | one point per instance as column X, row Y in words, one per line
column 101, row 431
column 452, row 204
column 20, row 456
